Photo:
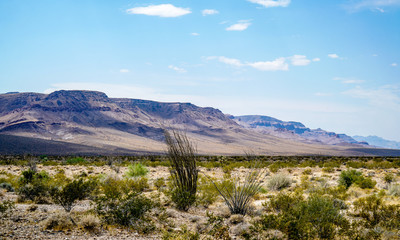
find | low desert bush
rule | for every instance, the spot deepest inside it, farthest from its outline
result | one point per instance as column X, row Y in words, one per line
column 126, row 210
column 206, row 192
column 394, row 189
column 76, row 161
column 389, row 178
column 68, row 195
column 160, row 184
column 375, row 212
column 57, row 221
column 136, row 170
column 299, row 218
column 349, row 177
column 6, row 208
column 307, row 171
column 89, row 222
column 279, row 182
column 181, row 234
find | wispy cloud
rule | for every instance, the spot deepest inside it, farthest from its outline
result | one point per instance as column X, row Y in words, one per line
column 272, row 3
column 177, row 69
column 124, row 70
column 348, row 80
column 387, row 96
column 240, row 26
column 374, row 5
column 299, row 60
column 316, row 59
column 333, row 55
column 206, row 12
column 279, row 64
column 195, row 34
column 162, row 10
column 393, row 64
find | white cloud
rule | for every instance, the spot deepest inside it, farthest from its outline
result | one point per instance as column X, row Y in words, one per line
column 240, row 26
column 316, row 59
column 206, row 12
column 194, row 34
column 278, row 64
column 124, row 70
column 333, row 55
column 162, row 10
column 393, row 64
column 272, row 3
column 177, row 69
column 348, row 80
column 230, row 61
column 373, row 5
column 375, row 55
column 299, row 60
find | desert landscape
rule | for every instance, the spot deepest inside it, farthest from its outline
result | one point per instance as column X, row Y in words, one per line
column 348, row 198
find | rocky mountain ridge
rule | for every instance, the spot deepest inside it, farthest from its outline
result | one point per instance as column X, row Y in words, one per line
column 293, row 130
column 92, row 119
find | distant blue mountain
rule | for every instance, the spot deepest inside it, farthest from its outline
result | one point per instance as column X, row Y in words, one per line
column 378, row 141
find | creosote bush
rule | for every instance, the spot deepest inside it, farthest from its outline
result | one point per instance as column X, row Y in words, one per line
column 316, row 217
column 350, row 177
column 184, row 172
column 68, row 195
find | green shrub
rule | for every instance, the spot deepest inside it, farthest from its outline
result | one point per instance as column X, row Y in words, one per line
column 375, row 212
column 160, row 184
column 206, row 192
column 68, row 195
column 279, row 182
column 6, row 207
column 76, row 161
column 389, row 178
column 126, row 210
column 307, row 171
column 33, row 186
column 365, row 182
column 315, row 217
column 136, row 170
column 328, row 169
column 348, row 177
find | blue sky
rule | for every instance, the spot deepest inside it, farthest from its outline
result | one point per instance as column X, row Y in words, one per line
column 331, row 64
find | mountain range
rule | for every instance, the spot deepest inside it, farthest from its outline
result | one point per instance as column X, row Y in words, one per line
column 89, row 122
column 378, row 142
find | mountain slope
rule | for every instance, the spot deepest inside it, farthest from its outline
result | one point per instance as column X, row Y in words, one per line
column 293, row 130
column 92, row 119
column 379, row 142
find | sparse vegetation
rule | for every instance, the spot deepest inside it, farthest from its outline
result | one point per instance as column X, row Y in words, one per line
column 311, row 198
